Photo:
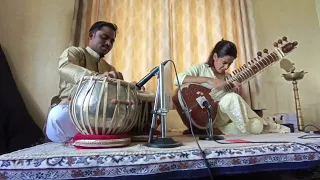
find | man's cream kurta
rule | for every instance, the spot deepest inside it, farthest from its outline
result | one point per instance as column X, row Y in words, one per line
column 76, row 62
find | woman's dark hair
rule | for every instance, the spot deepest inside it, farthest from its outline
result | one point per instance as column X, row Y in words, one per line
column 223, row 48
column 100, row 24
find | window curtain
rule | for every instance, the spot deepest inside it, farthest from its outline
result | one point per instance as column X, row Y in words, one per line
column 184, row 31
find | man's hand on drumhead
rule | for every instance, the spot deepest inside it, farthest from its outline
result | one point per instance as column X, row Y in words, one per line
column 120, row 76
column 113, row 74
column 110, row 74
column 143, row 89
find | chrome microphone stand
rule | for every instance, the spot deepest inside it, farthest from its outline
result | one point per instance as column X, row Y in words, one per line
column 163, row 141
column 210, row 136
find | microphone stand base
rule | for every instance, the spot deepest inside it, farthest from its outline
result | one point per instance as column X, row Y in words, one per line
column 164, row 142
column 211, row 138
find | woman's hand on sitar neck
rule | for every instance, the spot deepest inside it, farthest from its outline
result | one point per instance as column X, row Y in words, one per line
column 237, row 88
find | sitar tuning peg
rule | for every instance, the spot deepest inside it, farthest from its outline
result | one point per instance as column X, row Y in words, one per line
column 280, row 41
column 285, row 39
column 259, row 54
column 266, row 51
column 275, row 44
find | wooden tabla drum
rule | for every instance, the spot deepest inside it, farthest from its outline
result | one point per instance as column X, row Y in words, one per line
column 104, row 111
column 140, row 131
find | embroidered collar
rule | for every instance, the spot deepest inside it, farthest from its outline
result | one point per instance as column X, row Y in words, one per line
column 93, row 53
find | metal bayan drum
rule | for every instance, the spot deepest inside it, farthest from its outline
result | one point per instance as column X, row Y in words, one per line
column 104, row 110
column 140, row 131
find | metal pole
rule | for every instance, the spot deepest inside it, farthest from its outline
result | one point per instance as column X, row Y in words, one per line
column 163, row 110
column 298, row 106
column 154, row 115
column 163, row 141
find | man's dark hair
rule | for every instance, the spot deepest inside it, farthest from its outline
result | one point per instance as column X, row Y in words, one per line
column 100, row 24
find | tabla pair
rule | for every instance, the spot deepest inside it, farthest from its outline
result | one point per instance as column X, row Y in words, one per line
column 109, row 113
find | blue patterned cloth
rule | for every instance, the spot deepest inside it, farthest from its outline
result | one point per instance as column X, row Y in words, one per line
column 61, row 161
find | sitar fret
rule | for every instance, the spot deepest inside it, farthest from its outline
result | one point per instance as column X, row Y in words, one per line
column 247, row 72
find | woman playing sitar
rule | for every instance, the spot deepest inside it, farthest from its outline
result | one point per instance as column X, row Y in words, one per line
column 234, row 116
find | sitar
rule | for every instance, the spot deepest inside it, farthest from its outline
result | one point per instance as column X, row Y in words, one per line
column 192, row 95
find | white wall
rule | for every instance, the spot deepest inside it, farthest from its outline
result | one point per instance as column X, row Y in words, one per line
column 317, row 2
column 298, row 20
column 33, row 33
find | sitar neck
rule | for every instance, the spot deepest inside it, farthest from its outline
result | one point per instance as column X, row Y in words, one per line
column 258, row 65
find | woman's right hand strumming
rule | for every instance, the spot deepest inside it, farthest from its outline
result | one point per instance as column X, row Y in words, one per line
column 215, row 83
column 219, row 84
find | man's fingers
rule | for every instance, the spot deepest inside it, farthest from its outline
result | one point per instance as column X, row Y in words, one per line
column 114, row 74
column 120, row 76
column 110, row 75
